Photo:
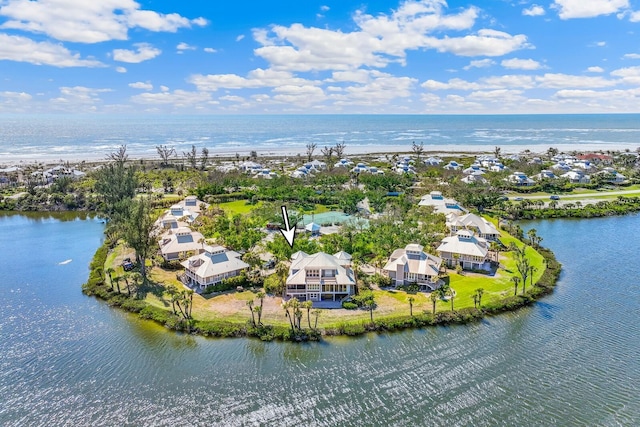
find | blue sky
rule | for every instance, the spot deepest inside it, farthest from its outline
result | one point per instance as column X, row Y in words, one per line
column 247, row 57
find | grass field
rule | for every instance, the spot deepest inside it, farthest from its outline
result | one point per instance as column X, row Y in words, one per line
column 238, row 207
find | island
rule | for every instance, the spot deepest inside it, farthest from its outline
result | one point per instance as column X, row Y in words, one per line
column 383, row 241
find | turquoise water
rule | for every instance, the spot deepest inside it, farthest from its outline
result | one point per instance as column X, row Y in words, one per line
column 571, row 359
column 53, row 137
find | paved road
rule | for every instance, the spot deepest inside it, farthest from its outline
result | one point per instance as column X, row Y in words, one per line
column 584, row 196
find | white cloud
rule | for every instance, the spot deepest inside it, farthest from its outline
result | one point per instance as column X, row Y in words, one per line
column 141, row 85
column 380, row 40
column 480, row 63
column 16, row 96
column 232, row 98
column 23, row 49
column 78, row 99
column 559, row 81
column 324, row 8
column 595, row 70
column 534, row 10
column 632, row 56
column 164, row 88
column 508, row 81
column 628, row 75
column 240, row 37
column 84, row 21
column 569, row 9
column 521, row 64
column 144, row 52
column 184, row 46
column 177, row 98
column 453, row 84
column 600, row 44
column 381, row 89
column 355, row 76
column 255, row 79
column 298, row 95
column 121, row 70
column 210, row 50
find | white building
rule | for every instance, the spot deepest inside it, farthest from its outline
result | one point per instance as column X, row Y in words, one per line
column 180, row 243
column 465, row 249
column 320, row 277
column 441, row 204
column 413, row 265
column 212, row 266
column 480, row 226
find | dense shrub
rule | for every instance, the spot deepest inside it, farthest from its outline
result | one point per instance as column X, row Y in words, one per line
column 349, row 305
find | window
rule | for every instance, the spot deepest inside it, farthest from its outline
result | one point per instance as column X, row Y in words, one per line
column 313, row 273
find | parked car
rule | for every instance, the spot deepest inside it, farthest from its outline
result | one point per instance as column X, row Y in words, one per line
column 554, row 197
column 518, row 199
column 269, row 264
column 127, row 265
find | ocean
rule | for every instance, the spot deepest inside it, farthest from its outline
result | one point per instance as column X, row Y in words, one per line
column 92, row 137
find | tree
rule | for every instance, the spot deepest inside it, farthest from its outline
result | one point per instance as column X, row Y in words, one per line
column 532, row 270
column 327, row 152
column 496, row 152
column 287, row 305
column 117, row 282
column 165, row 152
column 411, row 300
column 308, row 304
column 110, row 272
column 191, row 156
column 451, row 294
column 311, row 147
column 316, row 313
column 434, row 298
column 172, row 291
column 418, row 150
column 369, row 304
column 250, row 305
column 260, row 296
column 479, row 292
column 117, row 184
column 204, row 158
column 516, row 281
column 339, row 149
column 137, row 231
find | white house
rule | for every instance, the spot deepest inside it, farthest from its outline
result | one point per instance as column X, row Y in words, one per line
column 545, row 174
column 465, row 249
column 452, row 165
column 480, row 226
column 432, row 161
column 320, row 277
column 474, row 179
column 343, row 163
column 179, row 243
column 212, row 266
column 250, row 167
column 315, row 166
column 441, row 204
column 413, row 265
column 576, row 176
column 520, row 179
column 611, row 175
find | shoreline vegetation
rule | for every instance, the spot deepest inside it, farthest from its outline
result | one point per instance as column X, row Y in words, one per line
column 240, row 200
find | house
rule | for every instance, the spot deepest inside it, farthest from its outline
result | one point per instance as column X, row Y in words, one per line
column 10, row 175
column 360, row 167
column 64, row 172
column 313, row 228
column 432, row 161
column 343, row 163
column 576, row 176
column 250, row 167
column 611, row 175
column 413, row 265
column 544, row 174
column 320, row 277
column 179, row 243
column 474, row 179
column 480, row 226
column 520, row 179
column 562, row 166
column 465, row 249
column 212, row 266
column 315, row 166
column 265, row 174
column 179, row 211
column 440, row 204
column 452, row 166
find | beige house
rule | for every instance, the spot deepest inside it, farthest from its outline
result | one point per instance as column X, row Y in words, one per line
column 480, row 226
column 320, row 277
column 441, row 204
column 413, row 265
column 179, row 243
column 212, row 266
column 465, row 249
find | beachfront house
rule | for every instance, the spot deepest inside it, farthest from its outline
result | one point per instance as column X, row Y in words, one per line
column 212, row 266
column 343, row 163
column 545, row 174
column 413, row 265
column 180, row 243
column 520, row 179
column 432, row 161
column 320, row 277
column 465, row 249
column 576, row 176
column 474, row 179
column 452, row 166
column 441, row 204
column 480, row 226
column 611, row 175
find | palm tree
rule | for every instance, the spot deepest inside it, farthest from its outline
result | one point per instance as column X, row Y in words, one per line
column 369, row 304
column 532, row 269
column 515, row 280
column 316, row 313
column 109, row 272
column 250, row 305
column 475, row 300
column 126, row 277
column 411, row 300
column 451, row 294
column 260, row 296
column 479, row 293
column 434, row 298
column 172, row 291
column 117, row 282
column 532, row 236
column 308, row 304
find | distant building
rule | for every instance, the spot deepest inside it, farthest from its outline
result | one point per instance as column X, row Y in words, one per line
column 441, row 204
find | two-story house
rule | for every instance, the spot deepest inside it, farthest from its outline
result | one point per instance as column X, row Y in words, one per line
column 320, row 277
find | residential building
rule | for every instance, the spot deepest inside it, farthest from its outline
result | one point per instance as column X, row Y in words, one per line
column 545, row 174
column 452, row 165
column 520, row 179
column 576, row 176
column 320, row 277
column 413, row 265
column 611, row 175
column 180, row 243
column 441, row 204
column 465, row 249
column 480, row 226
column 212, row 266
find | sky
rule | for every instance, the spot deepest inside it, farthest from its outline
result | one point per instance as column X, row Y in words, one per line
column 319, row 57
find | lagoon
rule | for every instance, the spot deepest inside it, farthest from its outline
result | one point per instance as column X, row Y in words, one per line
column 570, row 359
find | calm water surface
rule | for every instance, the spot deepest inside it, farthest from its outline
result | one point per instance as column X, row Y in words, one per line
column 572, row 359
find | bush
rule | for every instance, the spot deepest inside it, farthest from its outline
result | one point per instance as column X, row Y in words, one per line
column 348, row 305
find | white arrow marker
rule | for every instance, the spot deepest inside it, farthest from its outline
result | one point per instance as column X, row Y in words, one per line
column 289, row 233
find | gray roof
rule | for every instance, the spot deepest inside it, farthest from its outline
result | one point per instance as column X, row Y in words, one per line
column 425, row 264
column 209, row 264
column 319, row 261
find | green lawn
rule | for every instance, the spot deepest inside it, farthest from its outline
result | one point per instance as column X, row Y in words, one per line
column 238, row 207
